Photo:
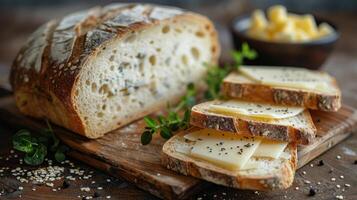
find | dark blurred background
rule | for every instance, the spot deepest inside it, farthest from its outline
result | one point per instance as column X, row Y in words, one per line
column 19, row 18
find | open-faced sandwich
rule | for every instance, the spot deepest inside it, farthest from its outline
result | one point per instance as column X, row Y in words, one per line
column 249, row 140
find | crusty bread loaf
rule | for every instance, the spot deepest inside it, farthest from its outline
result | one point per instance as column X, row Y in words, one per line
column 99, row 69
column 273, row 173
column 237, row 86
column 300, row 128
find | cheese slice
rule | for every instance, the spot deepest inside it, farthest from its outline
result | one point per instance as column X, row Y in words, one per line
column 270, row 148
column 288, row 77
column 257, row 110
column 224, row 149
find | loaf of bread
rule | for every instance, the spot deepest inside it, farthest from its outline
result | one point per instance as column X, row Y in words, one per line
column 97, row 70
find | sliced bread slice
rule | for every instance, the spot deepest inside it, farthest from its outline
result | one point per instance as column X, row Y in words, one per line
column 270, row 175
column 299, row 128
column 241, row 86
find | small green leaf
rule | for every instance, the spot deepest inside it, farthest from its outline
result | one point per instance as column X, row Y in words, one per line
column 161, row 119
column 23, row 141
column 146, row 137
column 150, row 122
column 173, row 116
column 60, row 156
column 37, row 156
column 165, row 133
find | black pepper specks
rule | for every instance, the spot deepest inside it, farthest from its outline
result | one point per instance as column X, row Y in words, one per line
column 321, row 163
column 312, row 192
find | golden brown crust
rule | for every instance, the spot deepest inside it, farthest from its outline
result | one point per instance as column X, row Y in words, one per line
column 47, row 90
column 243, row 125
column 193, row 167
column 282, row 96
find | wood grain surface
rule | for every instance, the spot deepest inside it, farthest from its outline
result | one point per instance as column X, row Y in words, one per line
column 121, row 154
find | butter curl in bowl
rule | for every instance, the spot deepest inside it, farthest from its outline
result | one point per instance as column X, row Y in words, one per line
column 282, row 38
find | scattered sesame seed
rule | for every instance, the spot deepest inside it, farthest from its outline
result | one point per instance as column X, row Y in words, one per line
column 333, row 179
column 342, row 177
column 338, row 157
column 338, row 186
column 296, row 188
column 311, row 165
column 307, row 181
column 20, row 188
column 319, row 183
column 339, row 197
column 108, row 180
column 49, row 184
column 303, row 172
column 85, row 189
column 99, row 188
column 108, row 197
column 347, row 185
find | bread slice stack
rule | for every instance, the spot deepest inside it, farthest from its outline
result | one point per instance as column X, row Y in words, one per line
column 249, row 140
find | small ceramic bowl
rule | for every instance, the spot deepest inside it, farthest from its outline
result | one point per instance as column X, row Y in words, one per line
column 311, row 54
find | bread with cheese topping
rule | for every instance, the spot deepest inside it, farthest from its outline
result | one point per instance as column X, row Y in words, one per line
column 271, row 175
column 299, row 128
column 237, row 85
column 96, row 70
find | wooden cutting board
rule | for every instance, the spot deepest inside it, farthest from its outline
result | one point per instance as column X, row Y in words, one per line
column 121, row 154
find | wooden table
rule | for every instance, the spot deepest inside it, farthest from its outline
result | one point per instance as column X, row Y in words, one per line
column 342, row 64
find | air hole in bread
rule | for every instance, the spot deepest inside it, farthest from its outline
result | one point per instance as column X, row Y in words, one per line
column 152, row 60
column 200, row 34
column 213, row 49
column 112, row 68
column 118, row 108
column 195, row 53
column 87, row 82
column 100, row 114
column 184, row 59
column 130, row 39
column 158, row 49
column 151, row 42
column 178, row 30
column 94, row 87
column 207, row 27
column 165, row 29
column 104, row 107
column 76, row 93
column 111, row 58
column 167, row 61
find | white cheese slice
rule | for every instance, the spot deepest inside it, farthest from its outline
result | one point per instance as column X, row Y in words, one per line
column 257, row 110
column 225, row 150
column 298, row 78
column 270, row 148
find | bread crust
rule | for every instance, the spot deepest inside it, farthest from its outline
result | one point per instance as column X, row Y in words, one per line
column 46, row 88
column 187, row 165
column 250, row 126
column 283, row 96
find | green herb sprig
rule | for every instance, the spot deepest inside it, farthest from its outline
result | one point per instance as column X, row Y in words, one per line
column 166, row 126
column 216, row 74
column 36, row 148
